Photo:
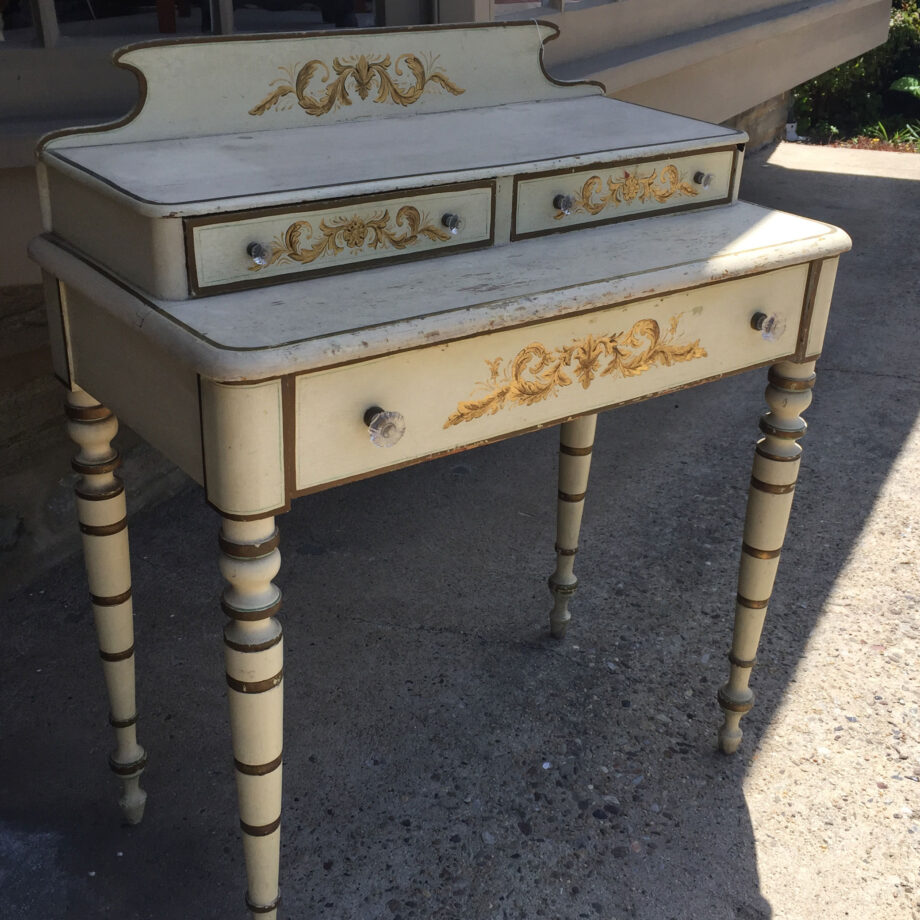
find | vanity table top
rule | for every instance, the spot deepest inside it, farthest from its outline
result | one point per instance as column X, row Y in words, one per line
column 305, row 325
column 274, row 129
column 222, row 172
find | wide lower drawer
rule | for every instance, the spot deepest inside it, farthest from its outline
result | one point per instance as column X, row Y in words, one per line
column 246, row 249
column 482, row 388
column 624, row 190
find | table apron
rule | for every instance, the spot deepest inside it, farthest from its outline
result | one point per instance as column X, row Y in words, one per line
column 490, row 386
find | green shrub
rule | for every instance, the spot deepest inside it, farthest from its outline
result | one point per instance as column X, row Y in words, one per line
column 857, row 95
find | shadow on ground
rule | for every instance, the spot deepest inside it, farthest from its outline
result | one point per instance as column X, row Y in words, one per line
column 444, row 758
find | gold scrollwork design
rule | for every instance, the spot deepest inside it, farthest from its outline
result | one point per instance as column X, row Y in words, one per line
column 363, row 72
column 628, row 187
column 352, row 232
column 537, row 372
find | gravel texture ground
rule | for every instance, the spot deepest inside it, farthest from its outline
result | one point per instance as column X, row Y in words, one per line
column 444, row 758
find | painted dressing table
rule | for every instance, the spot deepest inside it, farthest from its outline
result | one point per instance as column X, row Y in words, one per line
column 304, row 260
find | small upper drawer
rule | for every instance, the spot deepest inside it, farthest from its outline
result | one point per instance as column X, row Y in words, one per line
column 625, row 190
column 251, row 248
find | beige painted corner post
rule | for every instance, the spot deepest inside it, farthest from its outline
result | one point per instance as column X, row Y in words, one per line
column 576, row 441
column 102, row 514
column 776, row 468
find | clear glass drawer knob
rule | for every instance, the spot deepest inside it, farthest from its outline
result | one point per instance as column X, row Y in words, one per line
column 385, row 428
column 564, row 203
column 703, row 179
column 453, row 222
column 258, row 254
column 771, row 326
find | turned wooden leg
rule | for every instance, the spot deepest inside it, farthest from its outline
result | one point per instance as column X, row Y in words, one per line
column 776, row 468
column 254, row 658
column 104, row 527
column 576, row 439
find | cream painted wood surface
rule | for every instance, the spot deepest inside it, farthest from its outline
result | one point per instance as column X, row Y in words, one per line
column 152, row 349
column 149, row 384
column 776, row 468
column 311, row 136
column 822, row 307
column 100, row 499
column 242, row 433
column 623, row 190
column 312, row 160
column 345, row 236
column 138, row 187
column 211, row 86
column 683, row 337
column 149, row 253
column 576, row 443
column 261, row 393
column 377, row 311
column 254, row 659
column 265, row 332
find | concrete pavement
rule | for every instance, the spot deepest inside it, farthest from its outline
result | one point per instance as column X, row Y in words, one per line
column 444, row 758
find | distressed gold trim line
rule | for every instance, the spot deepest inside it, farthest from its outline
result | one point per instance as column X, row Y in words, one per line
column 777, row 458
column 112, row 600
column 565, row 552
column 261, row 830
column 262, row 769
column 772, row 488
column 255, row 686
column 572, row 496
column 575, row 451
column 112, row 492
column 128, row 769
column 790, row 383
column 262, row 908
column 741, row 662
column 353, row 232
column 558, row 588
column 361, row 70
column 626, row 188
column 792, row 434
column 752, row 605
column 104, row 530
column 732, row 706
column 97, row 413
column 249, row 550
column 760, row 553
column 95, row 469
column 536, row 372
column 122, row 723
column 262, row 613
column 117, row 656
column 253, row 646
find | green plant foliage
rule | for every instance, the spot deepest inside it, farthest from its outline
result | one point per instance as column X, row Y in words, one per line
column 907, row 85
column 861, row 94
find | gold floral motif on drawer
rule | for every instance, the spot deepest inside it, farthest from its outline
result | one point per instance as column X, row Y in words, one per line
column 363, row 72
column 536, row 372
column 353, row 232
column 628, row 187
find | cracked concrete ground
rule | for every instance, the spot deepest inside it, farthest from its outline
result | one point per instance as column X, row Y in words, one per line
column 444, row 758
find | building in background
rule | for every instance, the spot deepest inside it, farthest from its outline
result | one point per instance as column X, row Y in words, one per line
column 701, row 58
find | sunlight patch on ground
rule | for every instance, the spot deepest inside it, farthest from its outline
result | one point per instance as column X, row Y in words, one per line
column 815, row 158
column 838, row 771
